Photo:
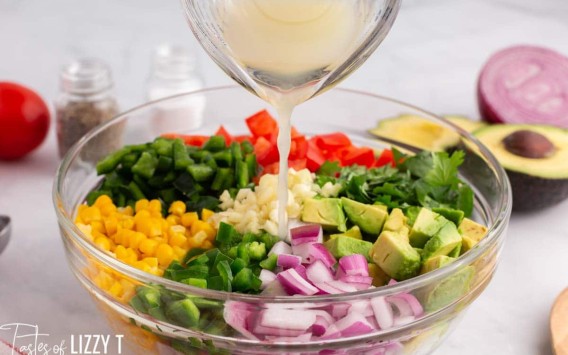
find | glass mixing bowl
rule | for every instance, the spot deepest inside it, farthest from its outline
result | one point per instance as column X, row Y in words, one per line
column 444, row 293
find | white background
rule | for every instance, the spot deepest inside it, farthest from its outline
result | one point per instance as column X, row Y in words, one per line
column 431, row 59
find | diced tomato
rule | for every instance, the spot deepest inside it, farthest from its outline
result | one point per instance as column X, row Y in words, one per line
column 242, row 138
column 223, row 132
column 361, row 156
column 314, row 156
column 298, row 148
column 274, row 168
column 295, row 133
column 194, row 140
column 332, row 141
column 385, row 158
column 266, row 152
column 262, row 124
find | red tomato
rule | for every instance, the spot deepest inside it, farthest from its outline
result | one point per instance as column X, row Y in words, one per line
column 385, row 158
column 360, row 156
column 333, row 141
column 262, row 124
column 223, row 132
column 266, row 152
column 298, row 148
column 24, row 121
column 194, row 140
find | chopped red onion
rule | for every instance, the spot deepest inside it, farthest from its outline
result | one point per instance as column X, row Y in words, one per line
column 320, row 326
column 331, row 333
column 402, row 306
column 400, row 321
column 383, row 312
column 359, row 282
column 291, row 319
column 318, row 272
column 416, row 307
column 294, row 283
column 353, row 324
column 280, row 248
column 318, row 251
column 303, row 251
column 287, row 261
column 277, row 332
column 362, row 307
column 309, row 233
column 236, row 315
column 354, row 265
column 266, row 276
column 299, row 339
column 342, row 286
column 326, row 288
column 394, row 348
column 274, row 288
column 340, row 310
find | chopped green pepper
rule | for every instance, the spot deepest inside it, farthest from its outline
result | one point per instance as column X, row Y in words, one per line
column 146, row 165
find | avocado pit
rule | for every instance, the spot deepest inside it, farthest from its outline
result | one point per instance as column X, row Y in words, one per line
column 529, row 144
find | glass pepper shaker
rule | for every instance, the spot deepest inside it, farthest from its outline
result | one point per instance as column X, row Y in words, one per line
column 86, row 100
column 173, row 72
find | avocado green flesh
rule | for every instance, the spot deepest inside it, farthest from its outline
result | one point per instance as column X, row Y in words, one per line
column 370, row 218
column 443, row 242
column 416, row 131
column 471, row 232
column 395, row 256
column 353, row 232
column 465, row 123
column 553, row 167
column 435, row 263
column 342, row 246
column 449, row 289
column 427, row 224
column 455, row 216
column 327, row 212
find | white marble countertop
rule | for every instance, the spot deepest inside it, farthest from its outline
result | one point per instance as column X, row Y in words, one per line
column 430, row 59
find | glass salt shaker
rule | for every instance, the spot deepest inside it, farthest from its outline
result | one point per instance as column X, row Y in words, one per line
column 174, row 71
column 86, row 100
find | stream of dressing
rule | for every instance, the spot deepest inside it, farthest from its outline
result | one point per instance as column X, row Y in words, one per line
column 287, row 47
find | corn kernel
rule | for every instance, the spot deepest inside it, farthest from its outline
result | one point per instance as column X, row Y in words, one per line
column 151, row 227
column 116, row 289
column 206, row 214
column 141, row 205
column 103, row 200
column 165, row 254
column 108, row 210
column 197, row 240
column 127, row 211
column 188, row 218
column 207, row 245
column 173, row 220
column 103, row 243
column 120, row 252
column 177, row 240
column 151, row 262
column 148, row 247
column 177, row 208
column 111, row 225
column 179, row 252
column 91, row 214
column 198, row 226
column 98, row 226
column 135, row 239
column 128, row 223
column 155, row 206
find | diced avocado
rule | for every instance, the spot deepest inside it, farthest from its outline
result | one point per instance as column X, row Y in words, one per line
column 326, row 211
column 457, row 251
column 443, row 242
column 426, row 225
column 380, row 278
column 370, row 218
column 455, row 216
column 435, row 263
column 353, row 232
column 395, row 256
column 411, row 214
column 343, row 246
column 396, row 222
column 471, row 232
column 449, row 289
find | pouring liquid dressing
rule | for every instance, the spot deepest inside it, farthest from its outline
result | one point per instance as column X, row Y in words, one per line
column 287, row 47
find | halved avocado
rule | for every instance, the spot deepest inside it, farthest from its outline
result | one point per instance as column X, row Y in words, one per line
column 465, row 123
column 416, row 131
column 536, row 160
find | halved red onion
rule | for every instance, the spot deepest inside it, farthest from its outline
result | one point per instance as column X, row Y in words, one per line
column 353, row 324
column 236, row 314
column 287, row 261
column 294, row 283
column 291, row 319
column 266, row 276
column 383, row 312
column 309, row 233
column 318, row 272
column 354, row 265
column 280, row 248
